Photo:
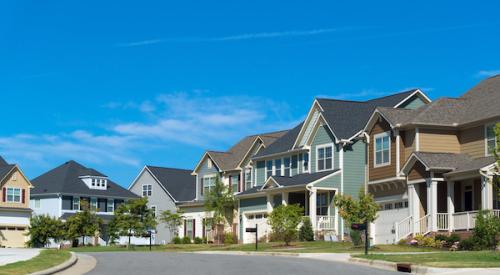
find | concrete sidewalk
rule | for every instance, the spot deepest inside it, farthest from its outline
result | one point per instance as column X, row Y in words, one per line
column 84, row 265
column 12, row 255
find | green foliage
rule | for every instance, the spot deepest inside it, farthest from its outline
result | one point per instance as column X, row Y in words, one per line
column 306, row 233
column 172, row 220
column 284, row 221
column 220, row 202
column 364, row 209
column 356, row 237
column 402, row 242
column 43, row 228
column 132, row 218
column 186, row 240
column 429, row 241
column 229, row 238
column 177, row 240
column 83, row 223
column 447, row 241
column 467, row 244
column 198, row 240
column 486, row 230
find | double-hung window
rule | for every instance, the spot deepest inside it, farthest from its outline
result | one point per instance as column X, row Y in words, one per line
column 76, row 203
column 13, row 194
column 322, row 204
column 382, row 149
column 190, row 229
column 286, row 162
column 110, row 205
column 234, row 183
column 491, row 141
column 248, row 178
column 208, row 184
column 324, row 157
column 269, row 168
column 93, row 204
column 305, row 162
column 147, row 190
column 277, row 167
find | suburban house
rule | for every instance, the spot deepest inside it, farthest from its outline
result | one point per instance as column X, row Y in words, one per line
column 235, row 170
column 15, row 212
column 431, row 168
column 164, row 188
column 323, row 156
column 62, row 191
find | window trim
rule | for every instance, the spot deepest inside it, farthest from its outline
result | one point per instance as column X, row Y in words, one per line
column 108, row 203
column 14, row 195
column 205, row 177
column 267, row 170
column 149, row 193
column 247, row 171
column 94, row 204
column 375, row 137
column 78, row 200
column 323, row 146
column 487, row 153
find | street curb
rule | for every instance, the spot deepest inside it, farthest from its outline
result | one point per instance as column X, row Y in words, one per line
column 249, row 253
column 415, row 269
column 67, row 264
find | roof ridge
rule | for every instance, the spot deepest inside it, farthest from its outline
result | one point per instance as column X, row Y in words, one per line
column 397, row 93
column 170, row 168
column 341, row 100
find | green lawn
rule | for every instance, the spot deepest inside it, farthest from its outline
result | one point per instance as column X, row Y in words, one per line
column 46, row 259
column 444, row 259
column 297, row 247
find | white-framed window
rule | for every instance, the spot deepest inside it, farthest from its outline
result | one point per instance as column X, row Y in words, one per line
column 76, row 203
column 286, row 165
column 305, row 162
column 269, row 168
column 324, row 156
column 93, row 204
column 13, row 194
column 153, row 210
column 248, row 178
column 36, row 203
column 190, row 228
column 382, row 152
column 277, row 168
column 208, row 183
column 147, row 190
column 322, row 204
column 234, row 184
column 110, row 205
column 490, row 139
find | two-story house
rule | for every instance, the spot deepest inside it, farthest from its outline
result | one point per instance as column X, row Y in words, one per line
column 64, row 190
column 432, row 168
column 165, row 188
column 14, row 205
column 321, row 157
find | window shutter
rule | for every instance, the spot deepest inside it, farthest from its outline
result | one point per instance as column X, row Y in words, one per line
column 203, row 228
column 4, row 191
column 201, row 184
column 230, row 183
column 194, row 229
column 23, row 198
column 185, row 229
column 239, row 183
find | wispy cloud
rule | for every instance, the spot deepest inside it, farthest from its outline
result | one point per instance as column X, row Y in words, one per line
column 487, row 73
column 237, row 37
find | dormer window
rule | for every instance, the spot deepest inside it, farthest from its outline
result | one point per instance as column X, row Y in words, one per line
column 95, row 182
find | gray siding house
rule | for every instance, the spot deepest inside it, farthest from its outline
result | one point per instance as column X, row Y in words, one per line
column 164, row 188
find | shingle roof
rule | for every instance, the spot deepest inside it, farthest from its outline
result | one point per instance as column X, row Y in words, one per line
column 2, row 161
column 5, row 168
column 455, row 163
column 178, row 182
column 65, row 179
column 283, row 144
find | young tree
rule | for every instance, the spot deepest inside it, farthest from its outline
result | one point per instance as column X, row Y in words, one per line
column 172, row 220
column 284, row 221
column 220, row 202
column 42, row 229
column 306, row 232
column 486, row 230
column 84, row 223
column 132, row 218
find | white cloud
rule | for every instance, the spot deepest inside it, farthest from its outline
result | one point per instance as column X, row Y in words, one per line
column 488, row 73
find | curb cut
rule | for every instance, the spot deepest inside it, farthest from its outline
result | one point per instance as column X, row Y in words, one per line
column 67, row 264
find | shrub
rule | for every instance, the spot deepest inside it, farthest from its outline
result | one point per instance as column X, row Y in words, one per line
column 429, row 241
column 356, row 237
column 441, row 238
column 467, row 244
column 486, row 230
column 284, row 221
column 177, row 240
column 402, row 242
column 229, row 238
column 453, row 238
column 204, row 240
column 306, row 233
column 186, row 240
column 198, row 240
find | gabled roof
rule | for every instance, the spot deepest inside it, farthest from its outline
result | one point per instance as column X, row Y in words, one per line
column 283, row 144
column 3, row 162
column 65, row 179
column 447, row 162
column 5, row 168
column 179, row 183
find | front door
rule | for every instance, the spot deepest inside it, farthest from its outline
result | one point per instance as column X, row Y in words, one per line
column 468, row 195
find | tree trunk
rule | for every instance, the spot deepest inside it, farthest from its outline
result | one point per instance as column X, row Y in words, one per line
column 129, row 233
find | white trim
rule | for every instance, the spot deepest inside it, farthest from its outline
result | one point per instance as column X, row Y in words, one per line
column 323, row 146
column 268, row 181
column 307, row 120
column 417, row 139
column 386, row 180
column 250, row 149
column 207, row 154
column 398, row 149
column 311, row 184
column 409, row 182
column 416, row 92
column 142, row 190
column 375, row 137
column 486, row 151
column 471, row 184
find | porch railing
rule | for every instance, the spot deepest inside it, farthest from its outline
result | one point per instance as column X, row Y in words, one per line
column 404, row 228
column 422, row 225
column 442, row 221
column 496, row 213
column 464, row 220
column 325, row 222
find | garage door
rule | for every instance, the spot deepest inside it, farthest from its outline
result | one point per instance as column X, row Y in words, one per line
column 384, row 224
column 259, row 219
column 13, row 236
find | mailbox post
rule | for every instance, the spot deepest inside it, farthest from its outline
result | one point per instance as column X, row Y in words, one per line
column 362, row 226
column 254, row 230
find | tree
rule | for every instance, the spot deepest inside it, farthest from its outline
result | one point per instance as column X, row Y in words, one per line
column 132, row 218
column 362, row 210
column 42, row 229
column 306, row 232
column 220, row 202
column 172, row 220
column 486, row 230
column 84, row 223
column 284, row 221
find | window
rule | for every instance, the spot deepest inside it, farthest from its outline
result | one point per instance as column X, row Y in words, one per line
column 324, row 157
column 491, row 140
column 234, row 183
column 277, row 167
column 382, row 149
column 398, row 205
column 248, row 178
column 36, row 203
column 147, row 190
column 93, row 182
column 306, row 162
column 322, row 204
column 388, row 206
column 295, row 165
column 269, row 168
column 153, row 210
column 286, row 161
column 76, row 203
column 13, row 194
column 110, row 205
column 190, row 229
column 93, row 204
column 208, row 184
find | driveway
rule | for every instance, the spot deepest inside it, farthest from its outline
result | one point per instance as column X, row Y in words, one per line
column 11, row 255
column 124, row 263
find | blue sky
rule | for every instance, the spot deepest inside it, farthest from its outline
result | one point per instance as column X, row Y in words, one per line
column 118, row 85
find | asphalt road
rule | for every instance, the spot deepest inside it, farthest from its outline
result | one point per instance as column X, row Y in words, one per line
column 123, row 263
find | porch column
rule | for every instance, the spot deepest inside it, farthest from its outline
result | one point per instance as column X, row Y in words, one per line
column 413, row 206
column 284, row 198
column 269, row 203
column 450, row 201
column 486, row 193
column 312, row 208
column 432, row 203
